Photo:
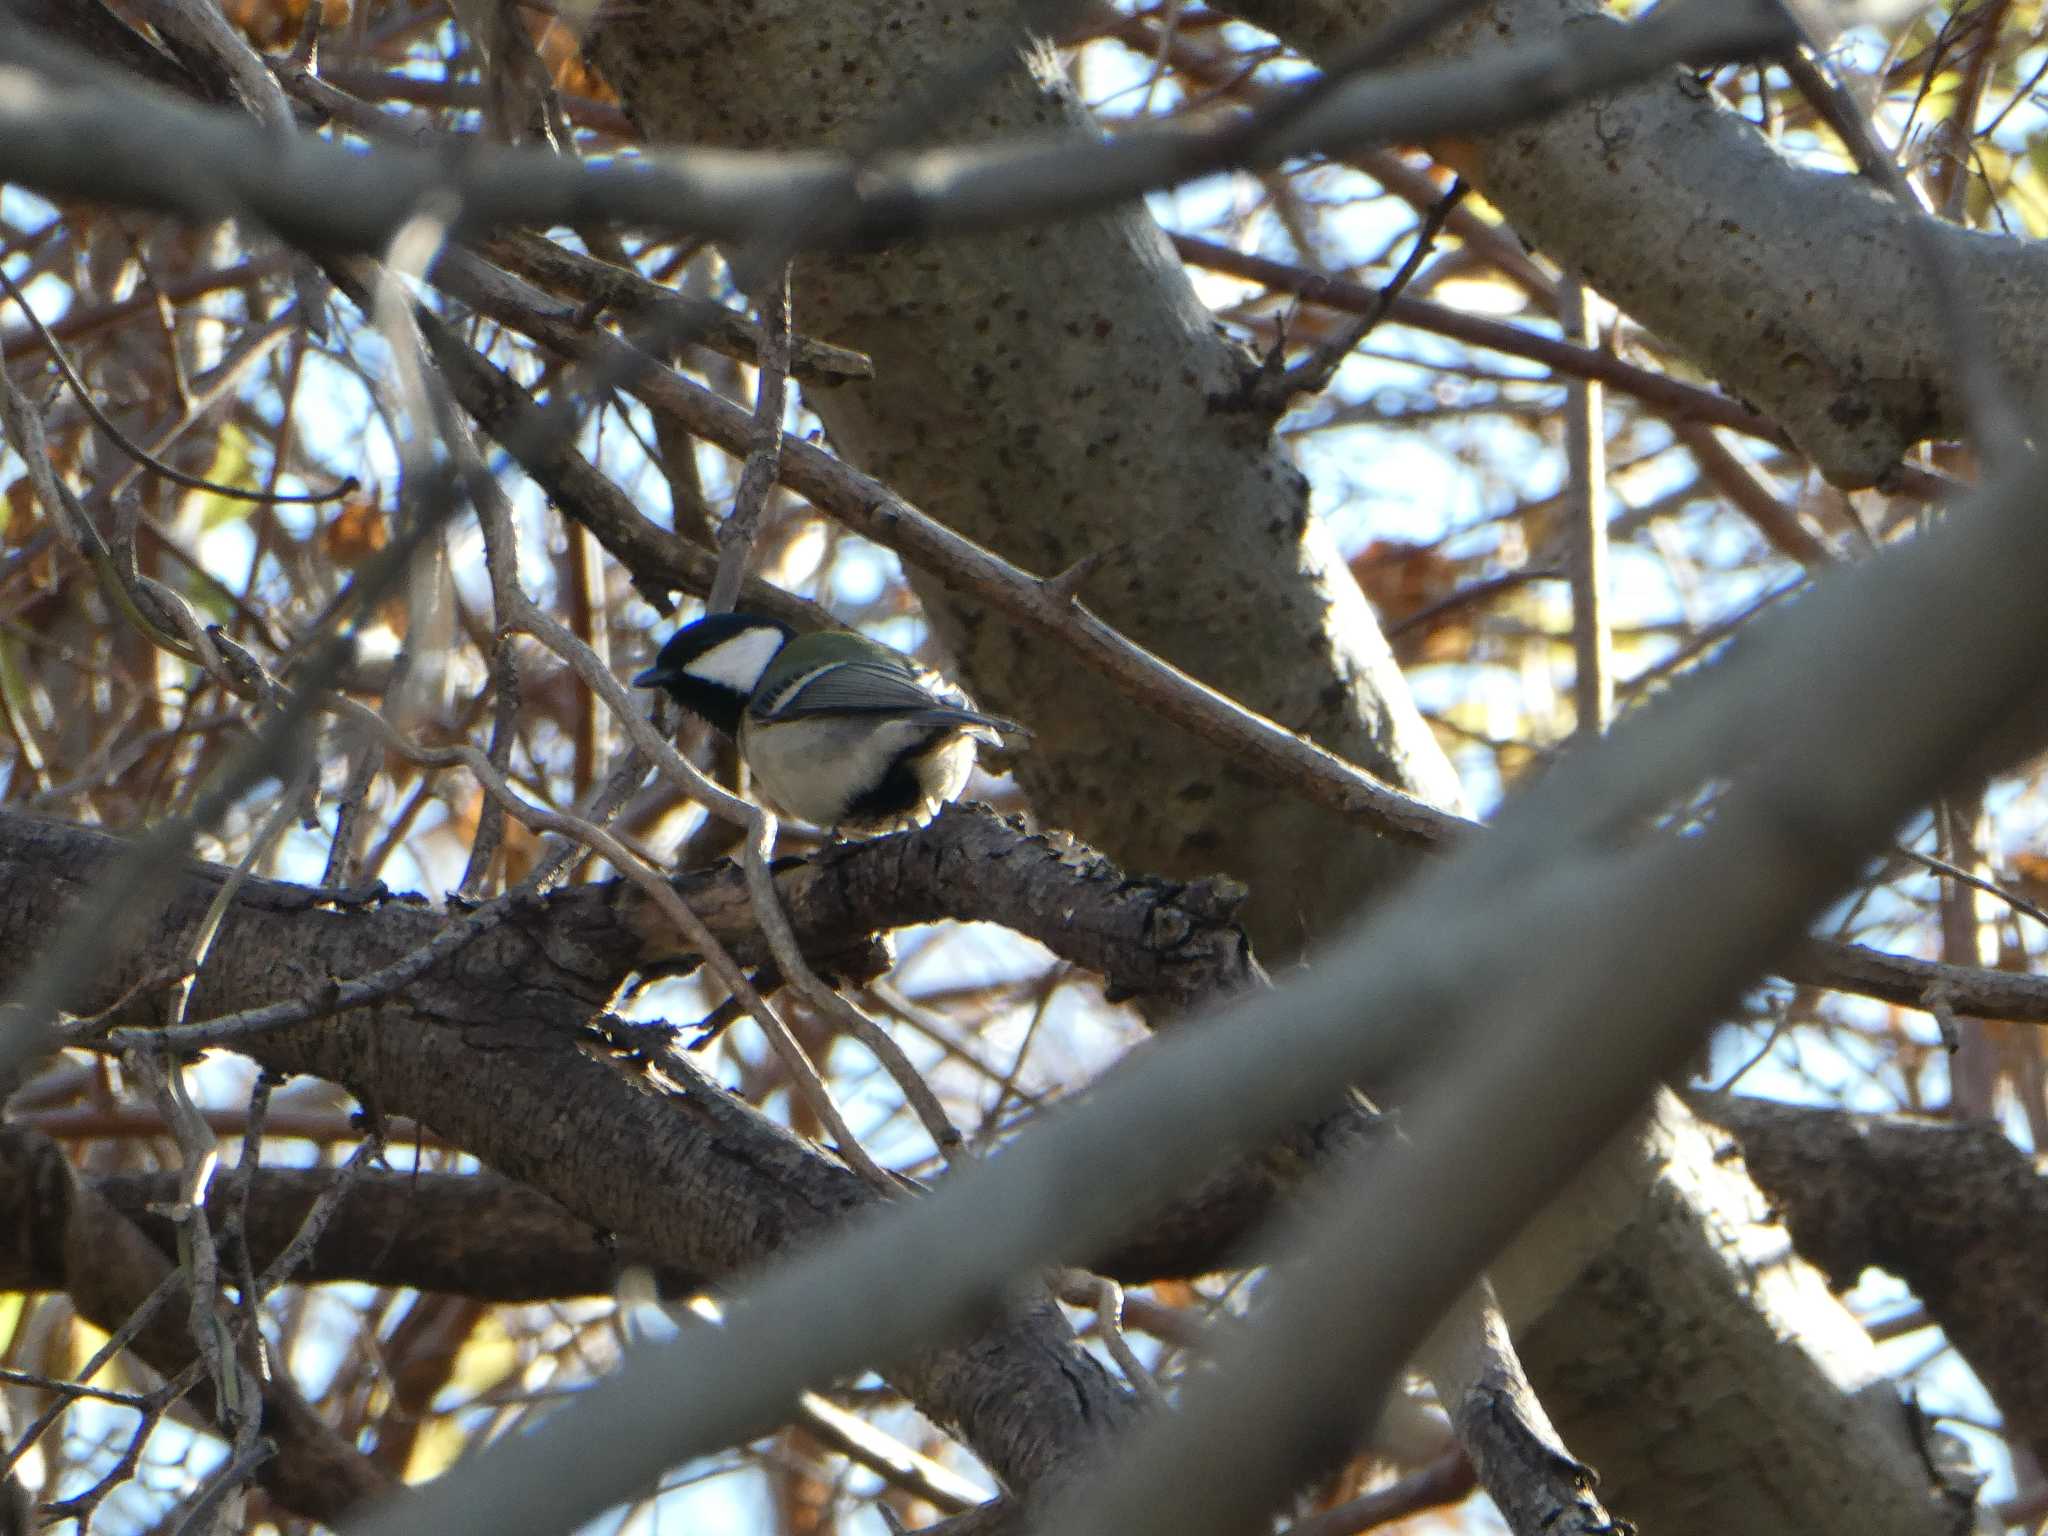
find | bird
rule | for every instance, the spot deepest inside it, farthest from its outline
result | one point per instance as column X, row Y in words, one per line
column 836, row 728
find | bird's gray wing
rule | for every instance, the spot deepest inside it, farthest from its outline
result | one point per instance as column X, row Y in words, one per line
column 862, row 687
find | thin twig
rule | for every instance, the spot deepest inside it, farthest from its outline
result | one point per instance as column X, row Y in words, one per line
column 888, row 1458
column 937, row 1028
column 81, row 1507
column 235, row 1230
column 1954, row 871
column 742, row 525
column 1006, row 1088
column 72, row 1388
column 234, row 1388
column 1108, row 1301
column 201, row 1511
column 307, row 1237
column 1585, row 435
column 135, row 450
column 75, row 136
column 789, row 957
column 344, row 849
column 172, row 1282
column 1444, row 1481
column 1464, row 597
column 490, row 816
column 1312, row 375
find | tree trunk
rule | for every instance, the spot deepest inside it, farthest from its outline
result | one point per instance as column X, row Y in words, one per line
column 1060, row 394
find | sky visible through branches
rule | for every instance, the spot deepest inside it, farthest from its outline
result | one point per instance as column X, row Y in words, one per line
column 1438, row 467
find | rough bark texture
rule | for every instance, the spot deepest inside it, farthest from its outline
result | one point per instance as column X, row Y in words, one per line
column 1059, row 394
column 1796, row 289
column 61, row 1234
column 473, row 1235
column 490, row 1050
column 1725, row 1384
column 1171, row 949
column 1954, row 1210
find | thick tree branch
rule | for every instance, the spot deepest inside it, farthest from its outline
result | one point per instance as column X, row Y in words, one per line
column 488, row 1049
column 70, row 128
column 869, row 507
column 478, row 1235
column 1169, row 946
column 1953, row 1209
column 1626, row 970
column 62, row 1234
column 1797, row 289
column 1907, row 981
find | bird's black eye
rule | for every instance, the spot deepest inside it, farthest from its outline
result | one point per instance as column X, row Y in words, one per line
column 712, row 666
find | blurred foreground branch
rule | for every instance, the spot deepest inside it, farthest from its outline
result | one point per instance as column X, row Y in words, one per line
column 1830, row 724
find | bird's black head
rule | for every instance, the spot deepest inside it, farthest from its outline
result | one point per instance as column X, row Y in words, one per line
column 711, row 667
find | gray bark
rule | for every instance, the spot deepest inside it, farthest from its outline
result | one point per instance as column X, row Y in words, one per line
column 1954, row 1210
column 1055, row 395
column 490, row 1049
column 1061, row 394
column 1797, row 289
column 1701, row 1364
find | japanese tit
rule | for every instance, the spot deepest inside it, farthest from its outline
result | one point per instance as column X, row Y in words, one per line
column 836, row 728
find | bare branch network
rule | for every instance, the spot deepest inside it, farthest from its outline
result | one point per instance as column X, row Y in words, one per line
column 61, row 134
column 1514, row 533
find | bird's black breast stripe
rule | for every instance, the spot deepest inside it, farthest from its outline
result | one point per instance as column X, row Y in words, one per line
column 899, row 791
column 711, row 702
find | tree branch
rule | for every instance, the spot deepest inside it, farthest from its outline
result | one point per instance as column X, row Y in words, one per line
column 66, row 1236
column 1953, row 1209
column 71, row 128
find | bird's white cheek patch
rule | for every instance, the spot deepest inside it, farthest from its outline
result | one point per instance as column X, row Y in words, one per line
column 739, row 662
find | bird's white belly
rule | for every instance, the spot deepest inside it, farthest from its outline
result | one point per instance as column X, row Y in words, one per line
column 813, row 767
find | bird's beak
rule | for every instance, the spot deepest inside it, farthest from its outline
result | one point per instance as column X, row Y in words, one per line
column 653, row 677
